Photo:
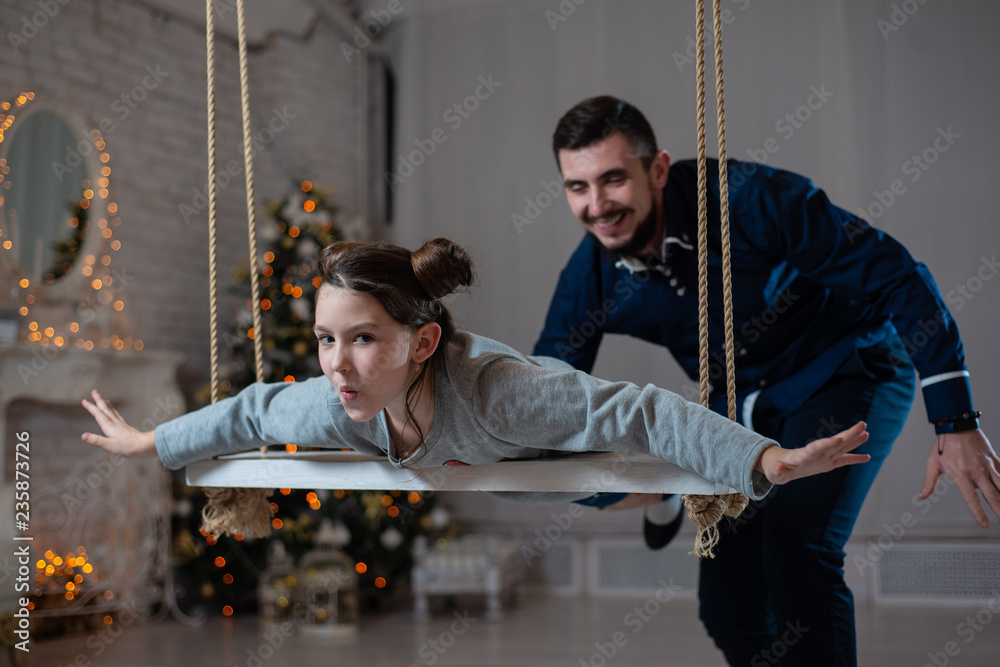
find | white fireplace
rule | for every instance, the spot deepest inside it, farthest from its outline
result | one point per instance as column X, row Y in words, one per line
column 99, row 524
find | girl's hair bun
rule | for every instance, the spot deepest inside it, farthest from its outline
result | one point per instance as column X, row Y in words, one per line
column 441, row 266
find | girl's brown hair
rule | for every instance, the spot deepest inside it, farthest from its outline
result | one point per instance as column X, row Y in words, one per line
column 409, row 285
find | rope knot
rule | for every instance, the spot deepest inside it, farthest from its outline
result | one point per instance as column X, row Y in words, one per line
column 705, row 512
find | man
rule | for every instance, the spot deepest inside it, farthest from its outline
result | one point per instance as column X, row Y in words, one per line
column 823, row 303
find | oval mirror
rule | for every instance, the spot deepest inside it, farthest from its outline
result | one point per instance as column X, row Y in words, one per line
column 51, row 175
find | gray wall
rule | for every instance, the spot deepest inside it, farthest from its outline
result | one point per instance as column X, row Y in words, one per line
column 894, row 87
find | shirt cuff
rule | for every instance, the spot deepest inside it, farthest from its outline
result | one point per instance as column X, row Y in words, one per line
column 947, row 394
column 160, row 435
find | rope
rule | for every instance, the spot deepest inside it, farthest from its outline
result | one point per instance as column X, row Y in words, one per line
column 702, row 212
column 706, row 511
column 233, row 510
column 727, row 274
column 258, row 341
column 213, row 281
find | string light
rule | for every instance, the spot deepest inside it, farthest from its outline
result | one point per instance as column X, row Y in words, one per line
column 69, row 575
column 95, row 267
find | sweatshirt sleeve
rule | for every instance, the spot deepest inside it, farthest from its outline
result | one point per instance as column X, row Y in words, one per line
column 305, row 413
column 567, row 410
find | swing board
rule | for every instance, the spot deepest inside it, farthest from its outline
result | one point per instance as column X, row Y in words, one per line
column 586, row 472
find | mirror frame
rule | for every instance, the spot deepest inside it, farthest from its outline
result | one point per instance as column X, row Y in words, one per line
column 71, row 286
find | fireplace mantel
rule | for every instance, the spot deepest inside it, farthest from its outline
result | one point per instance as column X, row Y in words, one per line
column 145, row 380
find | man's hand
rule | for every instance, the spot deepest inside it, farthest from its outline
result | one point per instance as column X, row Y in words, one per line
column 119, row 438
column 969, row 460
column 781, row 466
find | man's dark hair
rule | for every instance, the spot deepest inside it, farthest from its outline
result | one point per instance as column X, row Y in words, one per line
column 597, row 118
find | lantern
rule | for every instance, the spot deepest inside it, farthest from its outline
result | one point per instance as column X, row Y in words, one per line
column 277, row 589
column 328, row 588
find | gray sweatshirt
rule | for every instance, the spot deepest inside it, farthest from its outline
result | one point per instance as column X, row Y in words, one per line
column 490, row 403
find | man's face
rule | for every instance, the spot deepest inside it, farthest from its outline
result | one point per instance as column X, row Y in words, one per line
column 612, row 195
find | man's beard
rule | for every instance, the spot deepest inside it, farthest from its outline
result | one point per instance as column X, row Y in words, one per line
column 642, row 235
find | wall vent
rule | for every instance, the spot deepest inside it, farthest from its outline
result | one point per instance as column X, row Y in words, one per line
column 558, row 569
column 625, row 567
column 938, row 573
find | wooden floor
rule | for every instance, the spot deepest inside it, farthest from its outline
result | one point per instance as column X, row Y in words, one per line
column 542, row 631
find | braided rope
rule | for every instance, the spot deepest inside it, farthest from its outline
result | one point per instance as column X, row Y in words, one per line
column 702, row 212
column 232, row 511
column 213, row 269
column 727, row 274
column 706, row 511
column 258, row 340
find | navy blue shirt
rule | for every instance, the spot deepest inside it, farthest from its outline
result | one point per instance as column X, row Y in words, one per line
column 811, row 283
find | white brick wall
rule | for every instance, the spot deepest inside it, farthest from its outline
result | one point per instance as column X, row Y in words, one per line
column 91, row 52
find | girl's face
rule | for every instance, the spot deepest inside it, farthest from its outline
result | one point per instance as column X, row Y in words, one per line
column 369, row 358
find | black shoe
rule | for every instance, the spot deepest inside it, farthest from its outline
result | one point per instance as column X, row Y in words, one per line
column 658, row 536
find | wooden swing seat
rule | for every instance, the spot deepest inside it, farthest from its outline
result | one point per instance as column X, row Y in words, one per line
column 592, row 471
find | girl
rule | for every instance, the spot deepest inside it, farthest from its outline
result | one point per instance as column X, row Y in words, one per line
column 401, row 381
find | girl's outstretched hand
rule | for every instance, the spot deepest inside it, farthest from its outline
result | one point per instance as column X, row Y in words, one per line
column 781, row 466
column 119, row 438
